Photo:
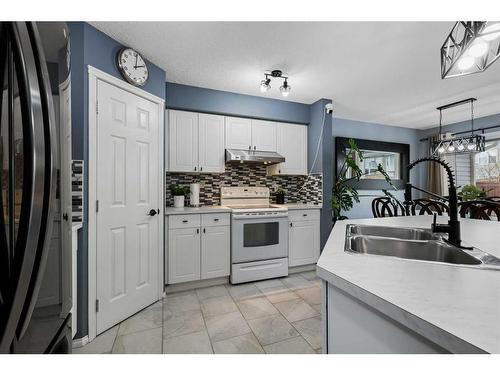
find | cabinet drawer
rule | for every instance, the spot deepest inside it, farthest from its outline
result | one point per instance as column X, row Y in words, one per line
column 303, row 215
column 212, row 220
column 183, row 221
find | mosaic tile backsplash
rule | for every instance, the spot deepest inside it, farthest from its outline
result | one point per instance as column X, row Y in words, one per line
column 77, row 190
column 298, row 189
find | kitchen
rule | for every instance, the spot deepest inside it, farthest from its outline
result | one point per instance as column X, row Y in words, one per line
column 211, row 212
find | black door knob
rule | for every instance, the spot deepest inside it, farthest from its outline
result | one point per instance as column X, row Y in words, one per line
column 152, row 212
column 65, row 217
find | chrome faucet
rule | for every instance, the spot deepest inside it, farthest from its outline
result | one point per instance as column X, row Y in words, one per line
column 453, row 226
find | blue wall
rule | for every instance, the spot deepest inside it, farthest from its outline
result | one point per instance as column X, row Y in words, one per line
column 320, row 126
column 91, row 47
column 199, row 99
column 377, row 132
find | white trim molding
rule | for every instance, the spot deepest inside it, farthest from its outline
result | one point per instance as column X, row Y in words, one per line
column 95, row 75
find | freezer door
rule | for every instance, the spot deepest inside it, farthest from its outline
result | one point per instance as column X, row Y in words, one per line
column 28, row 154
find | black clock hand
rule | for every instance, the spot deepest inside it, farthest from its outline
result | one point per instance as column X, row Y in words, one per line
column 140, row 66
column 135, row 65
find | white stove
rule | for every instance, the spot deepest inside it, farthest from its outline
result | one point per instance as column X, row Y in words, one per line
column 259, row 234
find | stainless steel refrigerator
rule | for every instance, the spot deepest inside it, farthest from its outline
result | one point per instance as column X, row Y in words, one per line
column 35, row 218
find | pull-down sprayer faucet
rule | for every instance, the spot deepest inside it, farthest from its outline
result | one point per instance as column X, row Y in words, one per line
column 453, row 226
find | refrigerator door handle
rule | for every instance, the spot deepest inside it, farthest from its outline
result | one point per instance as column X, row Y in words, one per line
column 39, row 184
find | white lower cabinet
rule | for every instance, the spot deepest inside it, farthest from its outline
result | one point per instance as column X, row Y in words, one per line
column 215, row 252
column 200, row 252
column 183, row 255
column 303, row 239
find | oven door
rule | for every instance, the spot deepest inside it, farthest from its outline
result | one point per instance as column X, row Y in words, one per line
column 259, row 238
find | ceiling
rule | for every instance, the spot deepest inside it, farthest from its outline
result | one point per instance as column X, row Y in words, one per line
column 382, row 72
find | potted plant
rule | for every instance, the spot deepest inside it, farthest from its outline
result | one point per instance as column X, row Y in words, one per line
column 344, row 195
column 179, row 193
column 280, row 196
column 471, row 193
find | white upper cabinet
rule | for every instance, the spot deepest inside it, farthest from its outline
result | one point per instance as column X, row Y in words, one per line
column 183, row 141
column 211, row 143
column 292, row 144
column 238, row 133
column 246, row 134
column 264, row 135
column 195, row 142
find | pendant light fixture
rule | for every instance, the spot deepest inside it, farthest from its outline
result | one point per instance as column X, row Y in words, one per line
column 471, row 47
column 457, row 145
column 265, row 84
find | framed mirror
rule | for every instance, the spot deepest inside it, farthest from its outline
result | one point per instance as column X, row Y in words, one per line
column 394, row 158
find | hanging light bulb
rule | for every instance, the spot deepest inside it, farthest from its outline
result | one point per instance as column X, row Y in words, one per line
column 466, row 62
column 265, row 85
column 492, row 31
column 441, row 149
column 285, row 89
column 478, row 48
column 451, row 147
column 460, row 147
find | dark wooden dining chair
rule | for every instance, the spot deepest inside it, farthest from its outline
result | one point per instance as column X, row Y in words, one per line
column 386, row 207
column 493, row 199
column 424, row 206
column 481, row 210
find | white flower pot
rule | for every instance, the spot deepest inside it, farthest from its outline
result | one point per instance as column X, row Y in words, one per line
column 178, row 201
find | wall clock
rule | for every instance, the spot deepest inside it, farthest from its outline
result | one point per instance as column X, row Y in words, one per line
column 132, row 66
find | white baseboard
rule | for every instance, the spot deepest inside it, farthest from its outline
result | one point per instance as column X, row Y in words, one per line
column 82, row 341
column 298, row 269
column 172, row 288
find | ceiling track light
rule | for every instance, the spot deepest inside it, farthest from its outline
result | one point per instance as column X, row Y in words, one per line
column 265, row 84
column 459, row 145
column 471, row 47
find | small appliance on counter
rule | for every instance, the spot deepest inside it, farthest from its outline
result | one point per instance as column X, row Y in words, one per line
column 194, row 195
column 259, row 234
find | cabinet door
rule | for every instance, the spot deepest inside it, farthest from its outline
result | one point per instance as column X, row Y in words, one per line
column 264, row 135
column 303, row 243
column 211, row 143
column 292, row 144
column 215, row 252
column 183, row 141
column 238, row 133
column 183, row 255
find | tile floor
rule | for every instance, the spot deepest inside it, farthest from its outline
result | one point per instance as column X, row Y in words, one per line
column 278, row 316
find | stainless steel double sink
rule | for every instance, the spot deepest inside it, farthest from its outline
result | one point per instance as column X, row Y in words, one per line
column 414, row 244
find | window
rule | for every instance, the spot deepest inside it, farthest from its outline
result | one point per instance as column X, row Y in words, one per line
column 487, row 168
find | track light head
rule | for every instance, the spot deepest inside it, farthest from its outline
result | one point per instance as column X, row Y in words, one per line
column 285, row 89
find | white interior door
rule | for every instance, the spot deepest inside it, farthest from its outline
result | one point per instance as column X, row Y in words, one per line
column 127, row 189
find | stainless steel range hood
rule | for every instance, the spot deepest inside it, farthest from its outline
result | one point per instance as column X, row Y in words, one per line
column 256, row 157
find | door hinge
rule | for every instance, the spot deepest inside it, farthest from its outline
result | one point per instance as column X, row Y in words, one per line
column 97, row 107
column 97, row 206
column 96, row 305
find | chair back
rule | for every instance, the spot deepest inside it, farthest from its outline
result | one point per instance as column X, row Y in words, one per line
column 481, row 210
column 426, row 206
column 386, row 207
